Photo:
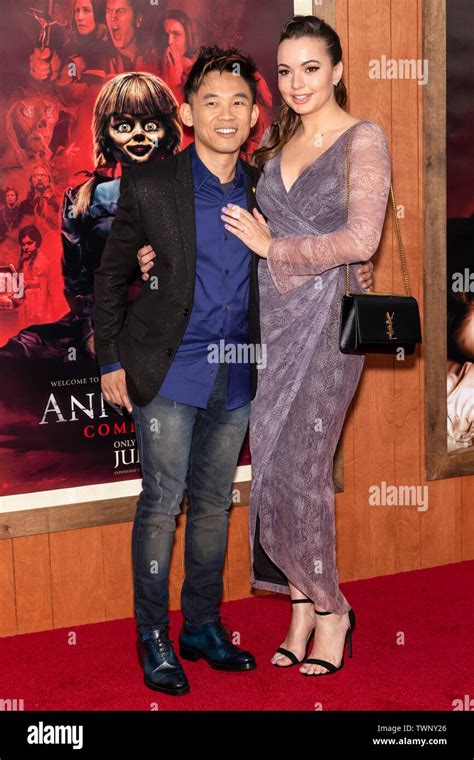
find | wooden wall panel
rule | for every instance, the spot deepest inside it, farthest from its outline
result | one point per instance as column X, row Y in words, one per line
column 346, row 539
column 237, row 570
column 8, row 622
column 408, row 403
column 467, row 517
column 177, row 565
column 118, row 586
column 367, row 36
column 346, row 524
column 77, row 576
column 34, row 604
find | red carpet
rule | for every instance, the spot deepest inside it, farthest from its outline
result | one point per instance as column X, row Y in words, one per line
column 431, row 608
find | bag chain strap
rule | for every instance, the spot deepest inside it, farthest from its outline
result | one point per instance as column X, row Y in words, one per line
column 397, row 226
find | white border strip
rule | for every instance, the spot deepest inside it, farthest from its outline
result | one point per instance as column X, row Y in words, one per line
column 303, row 7
column 60, row 497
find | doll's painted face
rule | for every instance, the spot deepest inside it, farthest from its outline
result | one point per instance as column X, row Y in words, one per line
column 135, row 138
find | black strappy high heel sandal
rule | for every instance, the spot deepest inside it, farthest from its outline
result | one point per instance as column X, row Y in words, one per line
column 331, row 668
column 291, row 655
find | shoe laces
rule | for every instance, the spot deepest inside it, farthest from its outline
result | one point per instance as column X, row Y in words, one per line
column 163, row 644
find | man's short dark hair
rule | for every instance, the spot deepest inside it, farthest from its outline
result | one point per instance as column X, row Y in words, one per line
column 216, row 59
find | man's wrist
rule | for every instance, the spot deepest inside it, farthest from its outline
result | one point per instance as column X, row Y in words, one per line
column 105, row 368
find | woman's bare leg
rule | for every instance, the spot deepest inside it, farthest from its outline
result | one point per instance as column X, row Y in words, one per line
column 329, row 638
column 303, row 620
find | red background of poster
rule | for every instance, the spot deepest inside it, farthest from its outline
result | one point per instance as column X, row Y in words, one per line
column 50, row 124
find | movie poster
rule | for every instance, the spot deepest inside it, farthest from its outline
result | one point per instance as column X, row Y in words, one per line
column 460, row 229
column 56, row 431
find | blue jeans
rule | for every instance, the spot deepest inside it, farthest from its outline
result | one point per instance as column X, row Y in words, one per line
column 184, row 446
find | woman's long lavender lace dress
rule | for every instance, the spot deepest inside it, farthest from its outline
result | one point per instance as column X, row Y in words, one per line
column 305, row 389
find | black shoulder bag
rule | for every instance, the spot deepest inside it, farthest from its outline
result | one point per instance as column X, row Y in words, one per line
column 378, row 323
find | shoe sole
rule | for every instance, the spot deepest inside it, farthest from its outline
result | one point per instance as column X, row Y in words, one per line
column 327, row 673
column 193, row 656
column 170, row 692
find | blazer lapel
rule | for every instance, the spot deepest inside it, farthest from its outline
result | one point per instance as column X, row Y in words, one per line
column 251, row 187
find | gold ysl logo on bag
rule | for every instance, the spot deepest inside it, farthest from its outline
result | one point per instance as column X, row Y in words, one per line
column 389, row 322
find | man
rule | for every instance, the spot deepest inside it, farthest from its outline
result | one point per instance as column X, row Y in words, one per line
column 124, row 19
column 40, row 201
column 33, row 266
column 10, row 214
column 190, row 415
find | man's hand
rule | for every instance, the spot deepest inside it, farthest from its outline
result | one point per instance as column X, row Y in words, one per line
column 114, row 388
column 90, row 345
column 364, row 275
column 145, row 260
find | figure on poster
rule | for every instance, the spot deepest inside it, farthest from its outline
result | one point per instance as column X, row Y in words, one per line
column 41, row 202
column 10, row 213
column 177, row 48
column 35, row 302
column 125, row 24
column 460, row 334
column 38, row 128
column 46, row 20
column 460, row 402
column 135, row 120
column 85, row 52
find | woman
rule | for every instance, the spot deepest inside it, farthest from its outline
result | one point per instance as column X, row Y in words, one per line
column 88, row 47
column 85, row 53
column 177, row 49
column 303, row 394
column 135, row 120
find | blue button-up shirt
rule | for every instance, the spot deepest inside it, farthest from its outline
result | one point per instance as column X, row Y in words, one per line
column 218, row 320
column 221, row 295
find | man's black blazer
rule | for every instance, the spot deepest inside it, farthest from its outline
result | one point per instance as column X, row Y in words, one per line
column 156, row 206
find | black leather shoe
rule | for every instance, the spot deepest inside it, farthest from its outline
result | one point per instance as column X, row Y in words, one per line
column 210, row 642
column 162, row 669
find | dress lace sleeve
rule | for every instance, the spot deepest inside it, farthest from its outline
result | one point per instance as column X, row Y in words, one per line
column 358, row 238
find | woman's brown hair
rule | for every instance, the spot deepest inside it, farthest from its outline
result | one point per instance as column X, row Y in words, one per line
column 288, row 122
